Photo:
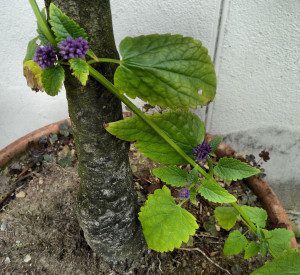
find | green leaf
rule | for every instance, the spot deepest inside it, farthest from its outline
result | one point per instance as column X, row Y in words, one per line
column 165, row 224
column 251, row 250
column 212, row 191
column 264, row 246
column 226, row 216
column 215, row 143
column 193, row 176
column 31, row 48
column 193, row 195
column 256, row 215
column 52, row 79
column 233, row 169
column 171, row 175
column 183, row 127
column 81, row 69
column 42, row 36
column 63, row 26
column 166, row 70
column 278, row 240
column 33, row 74
column 235, row 243
column 288, row 263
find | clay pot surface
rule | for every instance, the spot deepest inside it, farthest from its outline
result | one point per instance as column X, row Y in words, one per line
column 260, row 188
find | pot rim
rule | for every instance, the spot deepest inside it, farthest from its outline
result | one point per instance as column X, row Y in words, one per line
column 259, row 187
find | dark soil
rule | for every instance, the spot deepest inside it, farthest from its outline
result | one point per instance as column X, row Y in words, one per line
column 40, row 233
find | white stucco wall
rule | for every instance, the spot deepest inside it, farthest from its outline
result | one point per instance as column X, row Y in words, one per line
column 256, row 50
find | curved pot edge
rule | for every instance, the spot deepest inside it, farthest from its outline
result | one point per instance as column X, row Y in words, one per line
column 262, row 190
column 260, row 187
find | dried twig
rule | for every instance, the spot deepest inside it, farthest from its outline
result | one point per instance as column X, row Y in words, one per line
column 207, row 258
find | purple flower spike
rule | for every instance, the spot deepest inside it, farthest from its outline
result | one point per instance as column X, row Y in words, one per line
column 76, row 48
column 202, row 151
column 45, row 56
column 185, row 193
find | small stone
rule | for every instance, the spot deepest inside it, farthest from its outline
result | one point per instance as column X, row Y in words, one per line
column 218, row 228
column 21, row 194
column 27, row 258
column 3, row 226
column 41, row 181
column 7, row 260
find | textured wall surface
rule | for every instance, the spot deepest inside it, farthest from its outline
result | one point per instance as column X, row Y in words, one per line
column 258, row 99
column 256, row 49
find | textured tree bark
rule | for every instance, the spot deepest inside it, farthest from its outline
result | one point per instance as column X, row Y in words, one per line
column 106, row 203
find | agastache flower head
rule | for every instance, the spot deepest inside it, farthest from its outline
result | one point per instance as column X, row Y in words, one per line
column 185, row 193
column 70, row 48
column 202, row 151
column 45, row 56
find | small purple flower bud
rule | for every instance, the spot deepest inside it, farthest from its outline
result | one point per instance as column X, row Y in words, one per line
column 45, row 56
column 202, row 151
column 73, row 48
column 185, row 193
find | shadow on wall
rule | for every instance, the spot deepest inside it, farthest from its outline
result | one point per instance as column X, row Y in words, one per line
column 283, row 168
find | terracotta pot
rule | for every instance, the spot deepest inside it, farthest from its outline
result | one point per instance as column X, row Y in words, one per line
column 260, row 188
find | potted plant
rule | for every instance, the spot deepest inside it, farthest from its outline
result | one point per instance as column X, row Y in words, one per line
column 165, row 70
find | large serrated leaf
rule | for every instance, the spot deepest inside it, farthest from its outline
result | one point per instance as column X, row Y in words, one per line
column 63, row 26
column 233, row 169
column 183, row 127
column 166, row 70
column 171, row 175
column 81, row 69
column 165, row 224
column 212, row 191
column 256, row 215
column 42, row 36
column 226, row 216
column 52, row 79
column 288, row 263
column 235, row 243
column 278, row 240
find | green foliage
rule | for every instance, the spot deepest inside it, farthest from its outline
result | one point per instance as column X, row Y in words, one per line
column 171, row 175
column 235, row 243
column 215, row 143
column 66, row 157
column 193, row 176
column 278, row 240
column 166, row 70
column 256, row 215
column 165, row 224
column 42, row 36
column 226, row 217
column 63, row 26
column 233, row 169
column 81, row 69
column 31, row 48
column 52, row 79
column 212, row 191
column 288, row 263
column 183, row 127
column 251, row 249
column 193, row 195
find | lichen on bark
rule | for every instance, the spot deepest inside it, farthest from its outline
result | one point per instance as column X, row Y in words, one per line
column 106, row 203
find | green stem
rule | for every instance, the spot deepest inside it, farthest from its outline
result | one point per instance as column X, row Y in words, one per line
column 104, row 60
column 181, row 203
column 43, row 24
column 99, row 77
column 210, row 165
column 250, row 224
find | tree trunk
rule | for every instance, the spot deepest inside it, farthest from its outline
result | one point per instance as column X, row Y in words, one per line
column 106, row 203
